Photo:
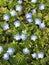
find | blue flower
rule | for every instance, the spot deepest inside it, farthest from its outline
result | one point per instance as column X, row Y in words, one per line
column 42, row 25
column 28, row 15
column 17, row 23
column 33, row 11
column 33, row 37
column 10, row 51
column 38, row 21
column 40, row 55
column 6, row 17
column 17, row 37
column 20, row 1
column 41, row 6
column 13, row 13
column 34, row 1
column 5, row 26
column 6, row 56
column 19, row 8
column 1, row 49
column 30, row 20
column 25, row 51
column 34, row 55
column 23, row 36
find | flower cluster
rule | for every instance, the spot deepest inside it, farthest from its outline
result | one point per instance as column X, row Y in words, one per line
column 13, row 13
column 23, row 36
column 11, row 51
column 39, row 55
column 19, row 37
column 34, row 55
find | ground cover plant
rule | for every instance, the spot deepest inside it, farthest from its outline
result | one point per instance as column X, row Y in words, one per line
column 24, row 32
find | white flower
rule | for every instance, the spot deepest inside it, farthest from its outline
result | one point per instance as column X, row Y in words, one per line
column 41, row 6
column 38, row 21
column 13, row 13
column 34, row 1
column 33, row 37
column 25, row 51
column 1, row 49
column 23, row 36
column 5, row 26
column 10, row 51
column 6, row 17
column 19, row 8
column 34, row 55
column 42, row 25
column 17, row 23
column 40, row 55
column 24, row 31
column 6, row 56
column 20, row 1
column 17, row 37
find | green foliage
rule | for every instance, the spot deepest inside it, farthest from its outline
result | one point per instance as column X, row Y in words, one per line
column 6, row 37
